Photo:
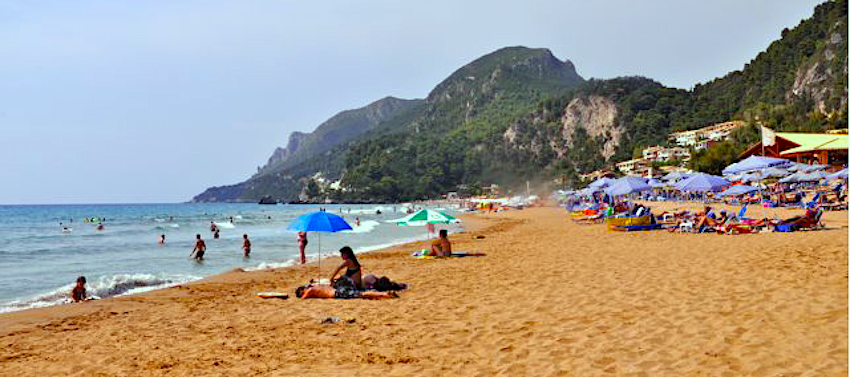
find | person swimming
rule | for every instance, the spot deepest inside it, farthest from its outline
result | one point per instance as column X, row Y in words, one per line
column 162, row 239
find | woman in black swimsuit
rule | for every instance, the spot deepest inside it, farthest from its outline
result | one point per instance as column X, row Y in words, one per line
column 352, row 266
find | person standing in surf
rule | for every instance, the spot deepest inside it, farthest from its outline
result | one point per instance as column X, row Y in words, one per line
column 246, row 246
column 302, row 244
column 200, row 248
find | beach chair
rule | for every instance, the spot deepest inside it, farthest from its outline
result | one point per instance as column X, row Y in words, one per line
column 741, row 216
column 806, row 223
column 632, row 228
column 813, row 202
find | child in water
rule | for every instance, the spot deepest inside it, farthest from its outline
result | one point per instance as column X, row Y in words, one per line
column 78, row 294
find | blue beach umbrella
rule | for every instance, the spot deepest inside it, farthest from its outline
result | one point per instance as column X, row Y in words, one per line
column 627, row 185
column 702, row 183
column 601, row 182
column 792, row 178
column 814, row 176
column 654, row 183
column 319, row 222
column 774, row 172
column 675, row 176
column 755, row 163
column 809, row 168
column 751, row 177
column 738, row 190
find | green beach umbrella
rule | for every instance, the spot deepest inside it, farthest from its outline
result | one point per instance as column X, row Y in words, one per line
column 425, row 216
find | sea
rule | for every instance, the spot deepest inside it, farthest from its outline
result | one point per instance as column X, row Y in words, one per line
column 40, row 259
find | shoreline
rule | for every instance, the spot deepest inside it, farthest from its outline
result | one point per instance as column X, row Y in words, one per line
column 550, row 297
column 15, row 317
column 124, row 282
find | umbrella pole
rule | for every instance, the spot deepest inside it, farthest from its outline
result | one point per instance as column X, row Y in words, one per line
column 319, row 262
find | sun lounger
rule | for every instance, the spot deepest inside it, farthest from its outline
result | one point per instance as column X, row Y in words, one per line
column 624, row 221
column 742, row 213
column 631, row 228
column 421, row 255
column 806, row 223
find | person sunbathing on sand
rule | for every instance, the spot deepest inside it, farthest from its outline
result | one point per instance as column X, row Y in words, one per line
column 708, row 220
column 441, row 247
column 326, row 291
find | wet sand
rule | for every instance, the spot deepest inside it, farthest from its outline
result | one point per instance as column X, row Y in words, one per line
column 550, row 298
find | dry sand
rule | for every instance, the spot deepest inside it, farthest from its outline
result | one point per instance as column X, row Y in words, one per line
column 550, row 298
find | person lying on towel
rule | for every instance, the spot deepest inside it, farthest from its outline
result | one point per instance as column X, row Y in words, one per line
column 349, row 285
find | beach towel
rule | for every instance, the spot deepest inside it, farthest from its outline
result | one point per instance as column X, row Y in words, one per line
column 279, row 295
column 422, row 255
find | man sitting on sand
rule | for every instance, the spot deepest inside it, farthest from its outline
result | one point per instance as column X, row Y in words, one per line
column 200, row 248
column 441, row 247
column 78, row 294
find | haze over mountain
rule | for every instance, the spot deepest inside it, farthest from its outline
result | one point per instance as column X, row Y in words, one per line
column 520, row 114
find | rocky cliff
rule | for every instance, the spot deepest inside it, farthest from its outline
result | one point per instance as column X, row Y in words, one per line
column 339, row 129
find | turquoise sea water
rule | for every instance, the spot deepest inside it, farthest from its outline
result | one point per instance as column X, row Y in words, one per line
column 39, row 262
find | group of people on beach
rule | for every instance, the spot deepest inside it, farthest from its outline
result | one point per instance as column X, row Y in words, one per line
column 350, row 284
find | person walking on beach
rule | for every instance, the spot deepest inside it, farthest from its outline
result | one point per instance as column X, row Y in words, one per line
column 302, row 244
column 78, row 294
column 246, row 245
column 200, row 248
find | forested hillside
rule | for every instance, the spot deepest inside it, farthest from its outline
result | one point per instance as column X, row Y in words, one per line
column 520, row 114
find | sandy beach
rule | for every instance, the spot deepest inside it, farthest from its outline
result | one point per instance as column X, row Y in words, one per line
column 550, row 298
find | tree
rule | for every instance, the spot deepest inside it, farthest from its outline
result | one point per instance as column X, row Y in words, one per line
column 313, row 191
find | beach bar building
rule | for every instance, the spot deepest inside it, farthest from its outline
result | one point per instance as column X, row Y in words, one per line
column 828, row 148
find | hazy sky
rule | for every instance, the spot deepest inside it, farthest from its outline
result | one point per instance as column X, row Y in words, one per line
column 153, row 101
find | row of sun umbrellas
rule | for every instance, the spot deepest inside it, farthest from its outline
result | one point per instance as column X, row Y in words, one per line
column 751, row 169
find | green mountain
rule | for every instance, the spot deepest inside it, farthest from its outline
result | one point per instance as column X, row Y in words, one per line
column 519, row 115
column 506, row 83
column 274, row 176
column 337, row 130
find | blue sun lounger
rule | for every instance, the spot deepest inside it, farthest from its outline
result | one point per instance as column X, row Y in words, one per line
column 631, row 228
